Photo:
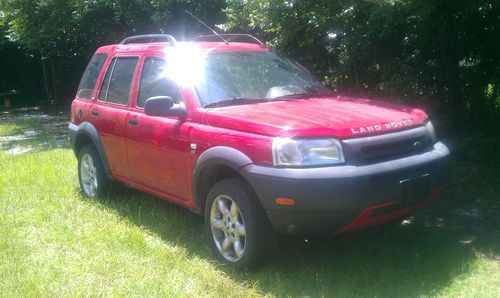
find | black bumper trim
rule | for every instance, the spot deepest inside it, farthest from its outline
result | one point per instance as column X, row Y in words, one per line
column 73, row 131
column 329, row 197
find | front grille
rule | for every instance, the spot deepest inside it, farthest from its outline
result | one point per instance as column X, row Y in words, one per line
column 369, row 150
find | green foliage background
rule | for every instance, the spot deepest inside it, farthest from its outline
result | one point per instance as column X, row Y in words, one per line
column 441, row 53
column 446, row 51
column 61, row 35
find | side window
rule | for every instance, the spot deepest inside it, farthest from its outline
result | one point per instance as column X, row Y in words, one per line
column 154, row 82
column 89, row 78
column 103, row 93
column 117, row 83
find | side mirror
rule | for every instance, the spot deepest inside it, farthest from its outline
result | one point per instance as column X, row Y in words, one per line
column 164, row 106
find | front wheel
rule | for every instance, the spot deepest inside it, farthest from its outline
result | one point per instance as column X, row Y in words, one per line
column 236, row 224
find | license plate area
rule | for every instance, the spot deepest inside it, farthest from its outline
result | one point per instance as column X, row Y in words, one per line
column 415, row 190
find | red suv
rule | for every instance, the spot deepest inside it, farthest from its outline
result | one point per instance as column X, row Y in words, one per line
column 249, row 139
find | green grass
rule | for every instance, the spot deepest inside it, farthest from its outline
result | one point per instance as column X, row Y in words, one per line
column 53, row 242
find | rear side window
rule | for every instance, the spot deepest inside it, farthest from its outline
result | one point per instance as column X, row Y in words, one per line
column 89, row 78
column 117, row 83
column 154, row 82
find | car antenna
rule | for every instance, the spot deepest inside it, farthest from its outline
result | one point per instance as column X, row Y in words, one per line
column 201, row 22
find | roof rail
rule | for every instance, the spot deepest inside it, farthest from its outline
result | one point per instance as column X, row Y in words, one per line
column 231, row 38
column 148, row 38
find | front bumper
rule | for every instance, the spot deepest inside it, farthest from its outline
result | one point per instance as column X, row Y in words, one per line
column 344, row 198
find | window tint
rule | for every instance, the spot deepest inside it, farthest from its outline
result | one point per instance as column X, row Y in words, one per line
column 118, row 80
column 89, row 78
column 154, row 82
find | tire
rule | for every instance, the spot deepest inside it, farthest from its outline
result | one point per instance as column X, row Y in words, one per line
column 91, row 174
column 237, row 227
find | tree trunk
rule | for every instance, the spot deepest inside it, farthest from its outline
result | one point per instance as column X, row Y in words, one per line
column 450, row 62
column 54, row 81
column 45, row 81
column 356, row 76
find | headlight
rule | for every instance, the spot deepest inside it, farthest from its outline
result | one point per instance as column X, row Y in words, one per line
column 430, row 129
column 310, row 152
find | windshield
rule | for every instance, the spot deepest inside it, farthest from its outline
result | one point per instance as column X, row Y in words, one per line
column 253, row 75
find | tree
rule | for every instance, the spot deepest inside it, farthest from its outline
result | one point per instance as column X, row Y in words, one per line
column 17, row 72
column 63, row 34
column 441, row 51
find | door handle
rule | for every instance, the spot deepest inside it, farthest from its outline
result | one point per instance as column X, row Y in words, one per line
column 133, row 121
column 95, row 112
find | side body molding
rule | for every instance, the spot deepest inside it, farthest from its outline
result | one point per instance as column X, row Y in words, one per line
column 86, row 129
column 215, row 156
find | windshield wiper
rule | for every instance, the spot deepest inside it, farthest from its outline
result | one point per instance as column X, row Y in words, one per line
column 303, row 95
column 233, row 101
column 245, row 100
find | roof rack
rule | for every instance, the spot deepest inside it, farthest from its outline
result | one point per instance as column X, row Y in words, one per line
column 230, row 37
column 149, row 38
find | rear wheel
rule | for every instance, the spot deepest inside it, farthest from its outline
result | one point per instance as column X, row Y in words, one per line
column 238, row 229
column 91, row 175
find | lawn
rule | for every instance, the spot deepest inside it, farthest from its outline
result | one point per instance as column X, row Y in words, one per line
column 54, row 242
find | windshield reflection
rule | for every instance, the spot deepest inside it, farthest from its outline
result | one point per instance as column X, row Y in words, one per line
column 225, row 76
column 252, row 75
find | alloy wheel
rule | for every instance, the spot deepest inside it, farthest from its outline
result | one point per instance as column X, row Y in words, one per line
column 228, row 228
column 88, row 174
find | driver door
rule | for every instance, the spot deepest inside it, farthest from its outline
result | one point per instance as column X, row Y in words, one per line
column 157, row 150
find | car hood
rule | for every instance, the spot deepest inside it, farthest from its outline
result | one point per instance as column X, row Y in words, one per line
column 340, row 117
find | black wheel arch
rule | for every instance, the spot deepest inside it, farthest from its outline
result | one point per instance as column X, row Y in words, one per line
column 84, row 134
column 213, row 165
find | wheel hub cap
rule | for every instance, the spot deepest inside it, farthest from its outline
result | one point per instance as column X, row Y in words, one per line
column 88, row 174
column 228, row 228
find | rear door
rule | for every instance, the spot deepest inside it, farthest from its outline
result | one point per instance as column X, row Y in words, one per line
column 157, row 149
column 109, row 113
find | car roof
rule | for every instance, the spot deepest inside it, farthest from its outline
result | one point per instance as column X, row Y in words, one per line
column 166, row 47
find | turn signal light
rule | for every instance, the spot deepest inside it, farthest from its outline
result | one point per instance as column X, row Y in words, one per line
column 285, row 201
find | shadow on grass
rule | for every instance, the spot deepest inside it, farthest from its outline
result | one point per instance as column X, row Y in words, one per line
column 419, row 258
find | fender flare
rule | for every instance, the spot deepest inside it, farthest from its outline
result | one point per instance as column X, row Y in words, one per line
column 89, row 130
column 219, row 155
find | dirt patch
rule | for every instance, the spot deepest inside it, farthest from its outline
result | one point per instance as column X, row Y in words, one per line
column 33, row 129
